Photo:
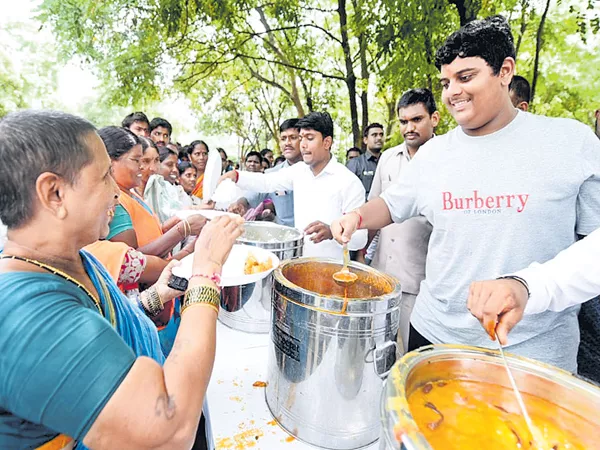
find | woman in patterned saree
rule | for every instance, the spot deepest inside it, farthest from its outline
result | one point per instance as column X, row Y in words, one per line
column 82, row 366
column 135, row 223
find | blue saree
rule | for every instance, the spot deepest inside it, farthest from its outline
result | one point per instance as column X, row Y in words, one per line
column 132, row 324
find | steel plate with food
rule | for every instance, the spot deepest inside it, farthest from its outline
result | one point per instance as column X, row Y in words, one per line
column 456, row 397
column 245, row 264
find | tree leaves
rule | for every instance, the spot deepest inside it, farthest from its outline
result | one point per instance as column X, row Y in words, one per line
column 245, row 64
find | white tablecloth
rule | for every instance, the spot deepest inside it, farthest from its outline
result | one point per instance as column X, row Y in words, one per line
column 240, row 417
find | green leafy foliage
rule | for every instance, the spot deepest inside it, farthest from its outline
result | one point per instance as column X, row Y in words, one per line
column 245, row 65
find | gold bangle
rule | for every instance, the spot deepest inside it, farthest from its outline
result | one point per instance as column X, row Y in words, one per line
column 187, row 232
column 155, row 304
column 183, row 236
column 201, row 295
column 210, row 305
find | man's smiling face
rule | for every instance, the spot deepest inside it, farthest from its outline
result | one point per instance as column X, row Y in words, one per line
column 471, row 92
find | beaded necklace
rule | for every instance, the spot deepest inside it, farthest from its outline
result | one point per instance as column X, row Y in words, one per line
column 63, row 275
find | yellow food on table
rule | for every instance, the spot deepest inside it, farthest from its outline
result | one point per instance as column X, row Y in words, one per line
column 470, row 415
column 253, row 265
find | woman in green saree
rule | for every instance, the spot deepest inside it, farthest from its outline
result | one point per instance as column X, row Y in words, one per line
column 79, row 364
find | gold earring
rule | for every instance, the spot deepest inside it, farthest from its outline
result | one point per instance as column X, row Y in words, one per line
column 61, row 213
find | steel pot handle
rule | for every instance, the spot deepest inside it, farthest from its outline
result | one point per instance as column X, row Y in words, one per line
column 377, row 353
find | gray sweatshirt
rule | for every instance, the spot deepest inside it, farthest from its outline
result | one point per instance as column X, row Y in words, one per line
column 497, row 203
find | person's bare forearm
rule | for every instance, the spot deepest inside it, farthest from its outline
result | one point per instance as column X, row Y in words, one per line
column 158, row 407
column 163, row 245
column 188, row 368
column 170, row 223
column 153, row 269
column 375, row 215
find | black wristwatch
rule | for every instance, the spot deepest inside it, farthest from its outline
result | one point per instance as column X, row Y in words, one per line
column 178, row 283
column 519, row 279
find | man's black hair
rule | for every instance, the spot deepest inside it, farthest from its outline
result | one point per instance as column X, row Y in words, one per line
column 520, row 86
column 160, row 122
column 289, row 123
column 137, row 116
column 415, row 96
column 371, row 126
column 318, row 121
column 254, row 153
column 264, row 151
column 353, row 149
column 490, row 39
column 34, row 142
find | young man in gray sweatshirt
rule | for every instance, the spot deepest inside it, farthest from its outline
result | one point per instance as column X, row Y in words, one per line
column 503, row 189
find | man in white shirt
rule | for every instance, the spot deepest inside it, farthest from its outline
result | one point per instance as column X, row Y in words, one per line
column 402, row 247
column 323, row 188
column 570, row 278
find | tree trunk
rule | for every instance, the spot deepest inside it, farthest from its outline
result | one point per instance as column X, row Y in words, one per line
column 307, row 94
column 364, row 95
column 467, row 9
column 350, row 76
column 364, row 68
column 538, row 47
column 391, row 109
column 296, row 96
column 523, row 27
column 430, row 53
column 293, row 94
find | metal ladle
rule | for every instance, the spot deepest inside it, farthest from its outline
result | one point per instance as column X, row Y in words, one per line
column 344, row 277
column 538, row 439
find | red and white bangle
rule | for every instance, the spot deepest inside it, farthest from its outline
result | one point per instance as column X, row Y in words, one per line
column 237, row 176
column 215, row 278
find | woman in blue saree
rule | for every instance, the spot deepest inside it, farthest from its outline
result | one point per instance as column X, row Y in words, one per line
column 79, row 364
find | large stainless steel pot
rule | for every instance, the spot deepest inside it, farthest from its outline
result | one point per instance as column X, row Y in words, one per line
column 443, row 362
column 326, row 367
column 248, row 307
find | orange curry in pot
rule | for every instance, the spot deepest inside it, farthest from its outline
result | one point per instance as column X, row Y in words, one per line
column 317, row 277
column 474, row 415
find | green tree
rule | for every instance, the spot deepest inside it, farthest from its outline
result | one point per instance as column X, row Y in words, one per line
column 245, row 65
column 27, row 69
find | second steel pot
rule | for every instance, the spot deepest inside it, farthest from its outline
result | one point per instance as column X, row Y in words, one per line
column 248, row 307
column 326, row 366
